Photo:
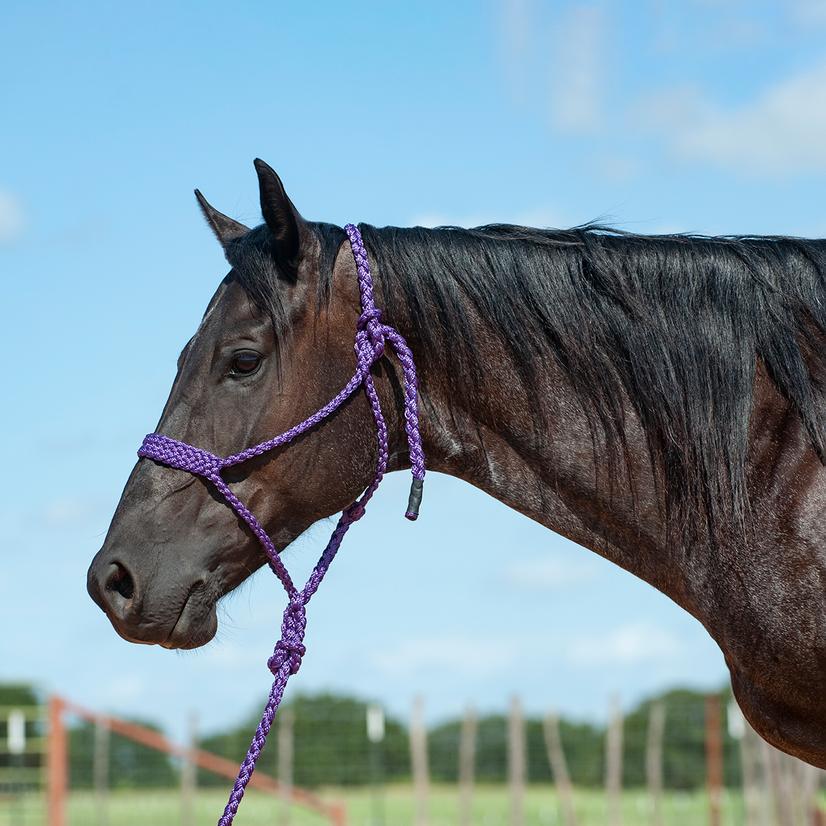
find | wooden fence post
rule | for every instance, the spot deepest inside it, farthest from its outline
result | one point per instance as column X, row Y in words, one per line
column 418, row 762
column 783, row 803
column 100, row 770
column 714, row 757
column 516, row 762
column 559, row 767
column 654, row 760
column 189, row 775
column 57, row 774
column 286, row 726
column 467, row 766
column 613, row 764
column 811, row 784
column 754, row 802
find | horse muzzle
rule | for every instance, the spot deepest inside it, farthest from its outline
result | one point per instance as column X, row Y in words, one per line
column 152, row 610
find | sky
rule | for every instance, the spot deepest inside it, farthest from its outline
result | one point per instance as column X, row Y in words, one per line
column 657, row 116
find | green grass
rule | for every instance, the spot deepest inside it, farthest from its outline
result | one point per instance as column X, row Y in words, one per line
column 491, row 808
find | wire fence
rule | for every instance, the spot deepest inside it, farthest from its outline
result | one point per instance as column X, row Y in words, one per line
column 682, row 759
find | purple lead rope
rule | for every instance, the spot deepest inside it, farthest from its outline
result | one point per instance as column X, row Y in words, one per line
column 371, row 337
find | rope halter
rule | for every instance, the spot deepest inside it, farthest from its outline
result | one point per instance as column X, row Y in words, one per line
column 372, row 337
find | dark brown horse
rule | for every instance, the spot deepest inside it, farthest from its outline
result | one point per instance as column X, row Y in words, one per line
column 659, row 400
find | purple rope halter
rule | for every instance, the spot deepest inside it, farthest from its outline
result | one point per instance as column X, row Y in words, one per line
column 371, row 337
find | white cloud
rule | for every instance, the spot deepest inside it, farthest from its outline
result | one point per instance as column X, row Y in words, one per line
column 548, row 573
column 578, row 73
column 480, row 657
column 808, row 12
column 12, row 218
column 782, row 131
column 630, row 644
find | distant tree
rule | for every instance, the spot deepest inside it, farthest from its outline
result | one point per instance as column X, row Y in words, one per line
column 684, row 756
column 131, row 765
column 582, row 744
column 24, row 697
column 18, row 694
column 331, row 746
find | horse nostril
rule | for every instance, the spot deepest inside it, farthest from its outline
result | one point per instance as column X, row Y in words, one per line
column 120, row 581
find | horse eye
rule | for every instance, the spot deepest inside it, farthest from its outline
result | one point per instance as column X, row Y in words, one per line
column 245, row 363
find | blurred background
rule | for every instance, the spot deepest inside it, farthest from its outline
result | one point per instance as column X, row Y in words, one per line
column 484, row 647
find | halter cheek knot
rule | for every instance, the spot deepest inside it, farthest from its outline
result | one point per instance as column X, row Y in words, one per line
column 370, row 329
column 368, row 315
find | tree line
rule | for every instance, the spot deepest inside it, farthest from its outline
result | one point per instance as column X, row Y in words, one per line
column 331, row 747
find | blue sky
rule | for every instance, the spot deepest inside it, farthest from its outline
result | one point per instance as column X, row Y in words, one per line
column 703, row 116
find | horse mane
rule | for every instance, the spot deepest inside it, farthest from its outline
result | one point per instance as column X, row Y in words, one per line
column 674, row 324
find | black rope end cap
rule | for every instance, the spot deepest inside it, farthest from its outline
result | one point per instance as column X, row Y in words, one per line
column 415, row 500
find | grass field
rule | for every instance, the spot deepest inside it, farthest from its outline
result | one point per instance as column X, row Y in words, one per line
column 491, row 808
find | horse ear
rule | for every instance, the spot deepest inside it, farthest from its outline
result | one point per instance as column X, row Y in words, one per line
column 225, row 228
column 279, row 213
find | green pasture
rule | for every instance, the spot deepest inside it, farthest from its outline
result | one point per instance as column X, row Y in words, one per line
column 491, row 808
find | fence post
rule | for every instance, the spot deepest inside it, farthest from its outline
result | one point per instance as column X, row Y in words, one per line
column 755, row 803
column 559, row 767
column 57, row 778
column 811, row 784
column 418, row 761
column 189, row 774
column 714, row 757
column 613, row 764
column 375, row 737
column 100, row 770
column 654, row 760
column 516, row 762
column 467, row 766
column 286, row 724
column 338, row 814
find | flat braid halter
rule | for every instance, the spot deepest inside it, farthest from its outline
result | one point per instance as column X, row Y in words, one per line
column 371, row 337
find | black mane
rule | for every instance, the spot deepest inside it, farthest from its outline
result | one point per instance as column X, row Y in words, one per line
column 674, row 323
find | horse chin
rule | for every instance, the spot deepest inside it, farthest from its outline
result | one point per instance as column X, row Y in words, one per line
column 196, row 625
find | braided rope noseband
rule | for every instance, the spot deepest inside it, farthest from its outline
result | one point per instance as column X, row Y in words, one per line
column 371, row 337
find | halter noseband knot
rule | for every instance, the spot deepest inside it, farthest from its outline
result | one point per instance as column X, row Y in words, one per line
column 180, row 455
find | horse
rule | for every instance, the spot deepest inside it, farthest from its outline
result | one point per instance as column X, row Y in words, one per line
column 657, row 399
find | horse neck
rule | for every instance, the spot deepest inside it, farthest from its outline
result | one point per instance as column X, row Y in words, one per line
column 532, row 448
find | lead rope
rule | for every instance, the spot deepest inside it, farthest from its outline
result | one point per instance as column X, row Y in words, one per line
column 371, row 338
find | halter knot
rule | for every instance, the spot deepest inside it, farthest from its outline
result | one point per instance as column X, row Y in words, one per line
column 180, row 455
column 368, row 315
column 354, row 512
column 370, row 329
column 290, row 648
